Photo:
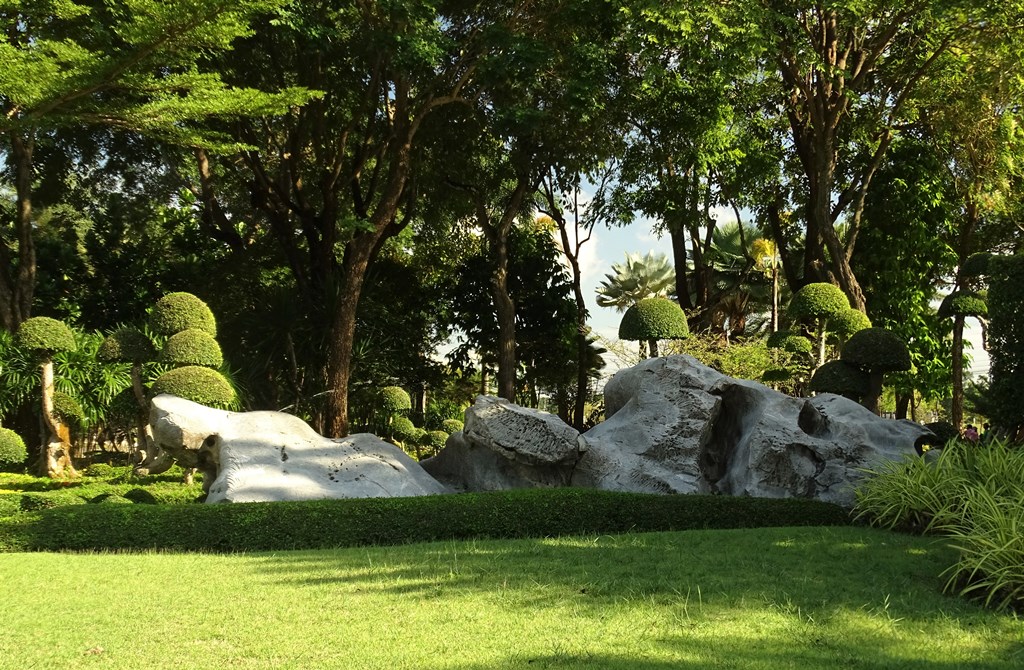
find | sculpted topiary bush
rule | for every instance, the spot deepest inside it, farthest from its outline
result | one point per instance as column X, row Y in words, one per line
column 126, row 345
column 45, row 336
column 817, row 305
column 67, row 409
column 394, row 399
column 198, row 384
column 176, row 312
column 12, row 448
column 840, row 378
column 452, row 426
column 402, row 428
column 192, row 347
column 963, row 303
column 654, row 319
column 791, row 342
column 876, row 351
column 849, row 322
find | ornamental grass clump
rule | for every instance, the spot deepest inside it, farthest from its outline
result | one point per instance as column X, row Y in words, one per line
column 970, row 494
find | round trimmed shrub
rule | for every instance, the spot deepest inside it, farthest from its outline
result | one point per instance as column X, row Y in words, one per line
column 402, row 428
column 963, row 303
column 849, row 322
column 176, row 312
column 840, row 378
column 436, row 439
column 104, row 470
column 790, row 341
column 819, row 300
column 12, row 447
column 876, row 350
column 198, row 384
column 192, row 346
column 110, row 499
column 30, row 502
column 654, row 319
column 128, row 345
column 776, row 376
column 67, row 409
column 394, row 399
column 41, row 333
column 419, row 436
column 944, row 431
column 976, row 265
column 452, row 426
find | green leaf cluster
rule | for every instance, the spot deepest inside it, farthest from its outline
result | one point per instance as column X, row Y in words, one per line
column 876, row 350
column 818, row 300
column 394, row 399
column 126, row 345
column 963, row 303
column 1006, row 340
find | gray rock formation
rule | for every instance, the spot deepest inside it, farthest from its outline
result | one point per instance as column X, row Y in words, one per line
column 504, row 446
column 267, row 456
column 676, row 426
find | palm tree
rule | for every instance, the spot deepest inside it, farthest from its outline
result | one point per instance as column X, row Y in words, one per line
column 639, row 277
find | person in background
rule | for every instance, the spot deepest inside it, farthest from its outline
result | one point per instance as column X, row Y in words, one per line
column 971, row 434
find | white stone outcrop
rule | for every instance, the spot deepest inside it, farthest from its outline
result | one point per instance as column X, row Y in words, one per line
column 270, row 456
column 677, row 426
column 505, row 446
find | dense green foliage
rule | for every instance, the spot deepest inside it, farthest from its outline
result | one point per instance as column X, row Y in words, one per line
column 848, row 322
column 45, row 335
column 970, row 494
column 1006, row 340
column 192, row 346
column 68, row 410
column 338, row 523
column 198, row 384
column 790, row 341
column 654, row 319
column 12, row 447
column 180, row 311
column 452, row 426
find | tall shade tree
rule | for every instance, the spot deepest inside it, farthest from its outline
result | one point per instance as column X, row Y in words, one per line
column 132, row 65
column 850, row 75
column 337, row 178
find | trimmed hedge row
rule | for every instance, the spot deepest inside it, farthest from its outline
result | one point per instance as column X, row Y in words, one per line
column 380, row 521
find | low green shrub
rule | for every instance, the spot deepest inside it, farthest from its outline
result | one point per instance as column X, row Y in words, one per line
column 107, row 498
column 31, row 502
column 452, row 426
column 970, row 493
column 12, row 447
column 99, row 470
column 352, row 522
column 9, row 505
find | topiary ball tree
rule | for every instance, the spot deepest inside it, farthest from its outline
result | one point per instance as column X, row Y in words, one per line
column 791, row 342
column 847, row 323
column 176, row 312
column 394, row 400
column 959, row 305
column 452, row 426
column 402, row 428
column 126, row 345
column 45, row 337
column 876, row 351
column 192, row 347
column 12, row 448
column 817, row 304
column 198, row 384
column 654, row 319
column 840, row 378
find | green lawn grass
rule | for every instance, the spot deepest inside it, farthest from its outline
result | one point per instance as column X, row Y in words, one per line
column 814, row 597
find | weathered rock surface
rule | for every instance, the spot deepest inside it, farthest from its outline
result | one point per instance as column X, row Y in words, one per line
column 504, row 446
column 681, row 427
column 268, row 456
column 677, row 426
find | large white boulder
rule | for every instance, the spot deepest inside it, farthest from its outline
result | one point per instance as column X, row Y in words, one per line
column 505, row 446
column 677, row 426
column 269, row 456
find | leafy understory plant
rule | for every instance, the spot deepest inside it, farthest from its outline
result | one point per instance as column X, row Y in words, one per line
column 970, row 494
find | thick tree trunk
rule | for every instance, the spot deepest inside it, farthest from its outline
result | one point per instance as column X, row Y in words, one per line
column 343, row 332
column 653, row 346
column 55, row 454
column 18, row 280
column 506, row 312
column 874, row 393
column 957, row 409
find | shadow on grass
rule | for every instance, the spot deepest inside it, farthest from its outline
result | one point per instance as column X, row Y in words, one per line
column 845, row 590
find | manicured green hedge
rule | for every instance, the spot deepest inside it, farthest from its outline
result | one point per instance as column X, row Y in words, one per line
column 335, row 523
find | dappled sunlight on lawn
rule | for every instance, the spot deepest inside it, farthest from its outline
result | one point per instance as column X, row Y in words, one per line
column 767, row 598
